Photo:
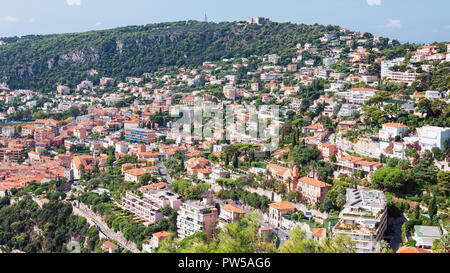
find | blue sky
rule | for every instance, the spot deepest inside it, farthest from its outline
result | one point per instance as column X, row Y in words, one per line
column 405, row 20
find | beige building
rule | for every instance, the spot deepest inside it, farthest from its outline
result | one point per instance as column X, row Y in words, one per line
column 277, row 210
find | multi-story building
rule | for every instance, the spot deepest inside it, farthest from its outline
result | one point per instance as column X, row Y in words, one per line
column 82, row 163
column 134, row 175
column 64, row 159
column 278, row 210
column 349, row 164
column 348, row 109
column 10, row 155
column 402, row 77
column 257, row 20
column 313, row 190
column 162, row 198
column 229, row 214
column 358, row 95
column 142, row 207
column 8, row 131
column 80, row 132
column 391, row 130
column 140, row 135
column 363, row 219
column 196, row 216
column 432, row 136
column 27, row 130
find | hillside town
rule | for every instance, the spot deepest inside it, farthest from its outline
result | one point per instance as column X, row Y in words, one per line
column 341, row 140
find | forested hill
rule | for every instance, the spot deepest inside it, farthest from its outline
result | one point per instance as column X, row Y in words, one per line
column 40, row 62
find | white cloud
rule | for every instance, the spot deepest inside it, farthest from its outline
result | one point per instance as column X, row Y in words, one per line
column 74, row 2
column 394, row 24
column 98, row 24
column 9, row 19
column 32, row 20
column 374, row 2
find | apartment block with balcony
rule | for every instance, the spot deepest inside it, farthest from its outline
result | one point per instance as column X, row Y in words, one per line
column 196, row 216
column 140, row 135
column 145, row 209
column 363, row 219
column 432, row 136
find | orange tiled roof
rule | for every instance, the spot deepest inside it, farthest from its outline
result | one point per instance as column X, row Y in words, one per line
column 234, row 209
column 283, row 205
column 161, row 234
column 317, row 232
column 395, row 125
column 136, row 172
column 410, row 249
column 314, row 182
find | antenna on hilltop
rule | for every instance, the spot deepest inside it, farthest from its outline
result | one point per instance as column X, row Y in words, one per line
column 206, row 17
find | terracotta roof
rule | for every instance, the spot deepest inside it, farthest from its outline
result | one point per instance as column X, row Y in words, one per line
column 314, row 182
column 395, row 125
column 364, row 89
column 108, row 245
column 283, row 205
column 136, row 172
column 161, row 235
column 277, row 167
column 410, row 249
column 317, row 232
column 234, row 209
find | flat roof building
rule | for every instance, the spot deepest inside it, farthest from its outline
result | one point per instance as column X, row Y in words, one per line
column 363, row 219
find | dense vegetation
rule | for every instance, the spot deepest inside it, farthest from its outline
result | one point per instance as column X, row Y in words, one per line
column 26, row 227
column 41, row 61
column 242, row 237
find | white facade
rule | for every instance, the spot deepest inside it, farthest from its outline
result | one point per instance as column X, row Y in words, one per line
column 433, row 95
column 431, row 136
column 364, row 219
column 425, row 235
column 391, row 130
column 348, row 110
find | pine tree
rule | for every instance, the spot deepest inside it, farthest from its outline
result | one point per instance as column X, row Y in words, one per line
column 417, row 212
column 432, row 208
column 235, row 161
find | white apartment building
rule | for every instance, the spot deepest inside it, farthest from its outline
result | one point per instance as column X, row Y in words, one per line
column 391, row 130
column 364, row 219
column 358, row 95
column 196, row 216
column 348, row 109
column 163, row 198
column 274, row 58
column 402, row 77
column 331, row 109
column 142, row 207
column 432, row 136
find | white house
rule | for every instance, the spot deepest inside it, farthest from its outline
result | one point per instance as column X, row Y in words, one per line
column 432, row 136
column 425, row 235
column 391, row 130
column 433, row 95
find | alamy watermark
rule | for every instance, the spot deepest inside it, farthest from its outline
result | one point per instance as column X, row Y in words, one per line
column 231, row 122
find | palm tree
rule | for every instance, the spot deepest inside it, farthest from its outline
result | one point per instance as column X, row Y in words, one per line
column 314, row 166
